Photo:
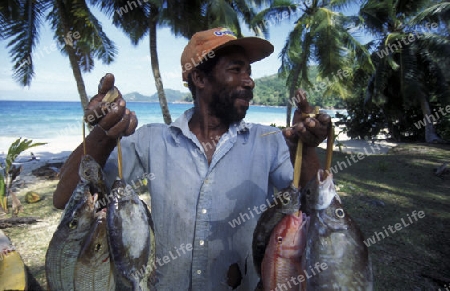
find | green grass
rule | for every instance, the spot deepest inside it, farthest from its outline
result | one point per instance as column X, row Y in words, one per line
column 377, row 191
column 380, row 190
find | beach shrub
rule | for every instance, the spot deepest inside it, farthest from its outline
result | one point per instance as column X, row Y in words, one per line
column 9, row 172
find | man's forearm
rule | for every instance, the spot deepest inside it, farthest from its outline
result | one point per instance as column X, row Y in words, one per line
column 99, row 146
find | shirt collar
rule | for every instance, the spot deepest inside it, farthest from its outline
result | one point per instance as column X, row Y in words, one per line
column 181, row 126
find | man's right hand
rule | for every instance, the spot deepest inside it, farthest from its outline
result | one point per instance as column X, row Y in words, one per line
column 112, row 116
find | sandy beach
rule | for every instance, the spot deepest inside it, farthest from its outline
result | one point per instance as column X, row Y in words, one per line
column 56, row 150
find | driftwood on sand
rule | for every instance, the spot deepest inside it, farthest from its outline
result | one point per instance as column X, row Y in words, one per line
column 13, row 221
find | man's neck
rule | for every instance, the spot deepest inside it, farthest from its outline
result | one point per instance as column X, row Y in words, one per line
column 208, row 129
column 205, row 125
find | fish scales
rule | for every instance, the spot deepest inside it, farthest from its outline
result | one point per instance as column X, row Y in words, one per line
column 75, row 223
column 93, row 270
column 334, row 239
column 285, row 202
column 130, row 236
column 282, row 260
column 66, row 242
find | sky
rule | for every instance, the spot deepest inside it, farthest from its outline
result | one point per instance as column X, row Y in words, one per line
column 54, row 79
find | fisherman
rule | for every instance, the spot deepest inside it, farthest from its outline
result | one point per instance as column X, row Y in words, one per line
column 213, row 172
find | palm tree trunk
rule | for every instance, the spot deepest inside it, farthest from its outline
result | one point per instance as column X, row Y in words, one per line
column 155, row 65
column 430, row 133
column 72, row 57
column 78, row 77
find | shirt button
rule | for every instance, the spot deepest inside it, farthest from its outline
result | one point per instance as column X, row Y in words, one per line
column 202, row 242
column 199, row 272
column 204, row 211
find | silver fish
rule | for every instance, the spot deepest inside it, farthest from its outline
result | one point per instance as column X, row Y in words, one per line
column 75, row 223
column 130, row 237
column 335, row 255
column 285, row 202
column 93, row 269
column 91, row 172
column 67, row 240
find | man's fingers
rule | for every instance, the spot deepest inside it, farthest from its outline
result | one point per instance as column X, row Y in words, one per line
column 106, row 83
column 120, row 127
column 302, row 102
column 113, row 113
column 324, row 118
column 132, row 125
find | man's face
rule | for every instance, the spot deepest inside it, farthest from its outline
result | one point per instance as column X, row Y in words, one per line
column 231, row 87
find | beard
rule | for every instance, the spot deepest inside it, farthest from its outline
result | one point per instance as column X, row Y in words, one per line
column 225, row 106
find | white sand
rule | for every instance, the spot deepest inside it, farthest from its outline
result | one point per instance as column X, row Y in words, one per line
column 58, row 149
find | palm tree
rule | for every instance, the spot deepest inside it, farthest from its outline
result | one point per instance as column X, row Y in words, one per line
column 408, row 73
column 77, row 32
column 206, row 14
column 320, row 35
column 137, row 19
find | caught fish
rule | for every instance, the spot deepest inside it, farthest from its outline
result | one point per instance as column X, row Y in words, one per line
column 130, row 236
column 66, row 243
column 334, row 243
column 75, row 224
column 281, row 266
column 285, row 202
column 91, row 172
column 93, row 270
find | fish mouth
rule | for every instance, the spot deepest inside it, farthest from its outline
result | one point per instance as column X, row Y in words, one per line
column 325, row 179
column 327, row 190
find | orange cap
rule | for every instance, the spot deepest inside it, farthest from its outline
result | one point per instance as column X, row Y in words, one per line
column 203, row 44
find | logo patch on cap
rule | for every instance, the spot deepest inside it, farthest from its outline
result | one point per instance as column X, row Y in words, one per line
column 224, row 31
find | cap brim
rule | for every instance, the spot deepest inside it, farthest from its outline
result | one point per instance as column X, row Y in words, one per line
column 255, row 48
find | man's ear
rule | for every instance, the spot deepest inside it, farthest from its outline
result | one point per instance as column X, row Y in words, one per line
column 198, row 78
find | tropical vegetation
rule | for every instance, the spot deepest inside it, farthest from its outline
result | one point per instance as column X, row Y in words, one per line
column 9, row 172
column 411, row 76
column 78, row 34
column 394, row 84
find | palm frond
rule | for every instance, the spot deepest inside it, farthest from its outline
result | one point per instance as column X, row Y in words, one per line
column 435, row 13
column 278, row 12
column 24, row 36
column 329, row 49
column 9, row 11
column 220, row 13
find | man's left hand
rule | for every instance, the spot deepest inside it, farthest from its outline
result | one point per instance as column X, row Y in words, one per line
column 311, row 130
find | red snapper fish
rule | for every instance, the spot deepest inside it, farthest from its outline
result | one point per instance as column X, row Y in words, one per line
column 281, row 267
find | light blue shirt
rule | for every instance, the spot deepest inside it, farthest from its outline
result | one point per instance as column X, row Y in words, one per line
column 205, row 214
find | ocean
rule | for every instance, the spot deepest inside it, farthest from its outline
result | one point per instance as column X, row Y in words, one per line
column 50, row 119
column 53, row 119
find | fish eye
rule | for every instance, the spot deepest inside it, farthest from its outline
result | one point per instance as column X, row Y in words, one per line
column 339, row 212
column 280, row 239
column 73, row 224
column 286, row 200
column 308, row 193
column 86, row 173
column 97, row 247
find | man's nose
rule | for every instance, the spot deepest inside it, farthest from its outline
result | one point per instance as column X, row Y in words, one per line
column 247, row 82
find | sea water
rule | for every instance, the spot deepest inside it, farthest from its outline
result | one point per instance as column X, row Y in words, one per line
column 50, row 119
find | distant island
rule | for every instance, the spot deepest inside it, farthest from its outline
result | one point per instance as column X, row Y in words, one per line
column 172, row 96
